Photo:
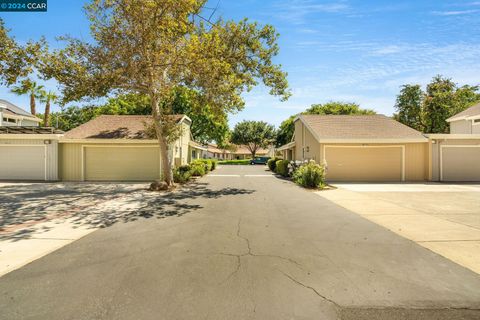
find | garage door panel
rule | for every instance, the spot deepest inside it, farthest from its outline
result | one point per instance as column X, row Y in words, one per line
column 364, row 163
column 22, row 162
column 461, row 163
column 122, row 163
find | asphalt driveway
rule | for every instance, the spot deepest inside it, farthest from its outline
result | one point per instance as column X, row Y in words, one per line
column 240, row 244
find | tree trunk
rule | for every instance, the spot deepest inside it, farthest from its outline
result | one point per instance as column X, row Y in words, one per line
column 46, row 121
column 32, row 104
column 166, row 161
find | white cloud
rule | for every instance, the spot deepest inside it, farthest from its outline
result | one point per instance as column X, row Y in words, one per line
column 455, row 12
column 296, row 11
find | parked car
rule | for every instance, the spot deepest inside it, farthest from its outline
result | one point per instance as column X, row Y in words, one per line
column 259, row 160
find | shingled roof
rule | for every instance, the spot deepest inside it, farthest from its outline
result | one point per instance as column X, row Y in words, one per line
column 115, row 127
column 470, row 112
column 357, row 127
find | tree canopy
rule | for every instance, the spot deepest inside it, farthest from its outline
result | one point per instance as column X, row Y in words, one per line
column 151, row 47
column 287, row 127
column 254, row 135
column 428, row 110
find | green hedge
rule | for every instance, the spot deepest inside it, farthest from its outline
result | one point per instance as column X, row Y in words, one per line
column 182, row 174
column 198, row 168
column 272, row 163
column 235, row 162
column 311, row 175
column 281, row 167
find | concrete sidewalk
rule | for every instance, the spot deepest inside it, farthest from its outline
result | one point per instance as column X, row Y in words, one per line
column 444, row 218
column 36, row 222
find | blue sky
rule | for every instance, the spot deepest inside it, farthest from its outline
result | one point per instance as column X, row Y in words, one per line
column 348, row 50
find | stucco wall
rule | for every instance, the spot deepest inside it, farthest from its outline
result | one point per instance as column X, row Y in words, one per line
column 51, row 152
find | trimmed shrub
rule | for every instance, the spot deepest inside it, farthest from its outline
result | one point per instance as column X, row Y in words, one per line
column 281, row 167
column 235, row 162
column 182, row 174
column 272, row 163
column 214, row 165
column 198, row 168
column 310, row 175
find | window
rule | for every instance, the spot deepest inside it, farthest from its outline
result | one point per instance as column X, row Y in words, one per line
column 476, row 121
column 9, row 120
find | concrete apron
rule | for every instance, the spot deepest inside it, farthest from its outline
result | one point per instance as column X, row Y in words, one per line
column 453, row 236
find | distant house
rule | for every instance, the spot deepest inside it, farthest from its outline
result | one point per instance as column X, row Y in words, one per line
column 466, row 122
column 13, row 116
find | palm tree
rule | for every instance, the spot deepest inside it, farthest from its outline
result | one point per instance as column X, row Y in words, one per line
column 31, row 88
column 47, row 97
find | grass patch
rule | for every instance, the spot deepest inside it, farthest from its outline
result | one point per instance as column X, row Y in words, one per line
column 234, row 162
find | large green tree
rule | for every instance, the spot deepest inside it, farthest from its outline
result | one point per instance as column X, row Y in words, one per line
column 287, row 127
column 17, row 61
column 409, row 106
column 48, row 97
column 254, row 135
column 428, row 111
column 152, row 46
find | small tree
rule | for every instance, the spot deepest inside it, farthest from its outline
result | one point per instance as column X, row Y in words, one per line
column 254, row 135
column 47, row 97
column 152, row 46
column 32, row 89
column 409, row 106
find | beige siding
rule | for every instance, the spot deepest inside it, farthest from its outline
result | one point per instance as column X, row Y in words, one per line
column 416, row 161
column 70, row 161
column 50, row 161
column 306, row 146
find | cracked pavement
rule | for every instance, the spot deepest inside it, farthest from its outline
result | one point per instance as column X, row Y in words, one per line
column 249, row 246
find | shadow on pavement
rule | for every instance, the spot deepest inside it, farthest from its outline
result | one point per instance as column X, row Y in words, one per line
column 24, row 207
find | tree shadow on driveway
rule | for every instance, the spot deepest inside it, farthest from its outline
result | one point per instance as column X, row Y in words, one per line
column 24, row 207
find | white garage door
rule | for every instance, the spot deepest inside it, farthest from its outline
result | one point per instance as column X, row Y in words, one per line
column 122, row 163
column 460, row 163
column 22, row 162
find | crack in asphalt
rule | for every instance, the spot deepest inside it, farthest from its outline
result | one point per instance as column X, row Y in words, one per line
column 250, row 253
column 310, row 288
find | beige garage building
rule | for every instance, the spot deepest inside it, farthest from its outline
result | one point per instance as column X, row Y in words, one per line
column 28, row 153
column 117, row 148
column 360, row 147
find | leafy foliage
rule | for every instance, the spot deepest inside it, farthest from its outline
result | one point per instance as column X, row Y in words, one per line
column 272, row 164
column 152, row 47
column 409, row 106
column 281, row 167
column 254, row 135
column 182, row 174
column 311, row 175
column 428, row 111
column 32, row 89
column 17, row 61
